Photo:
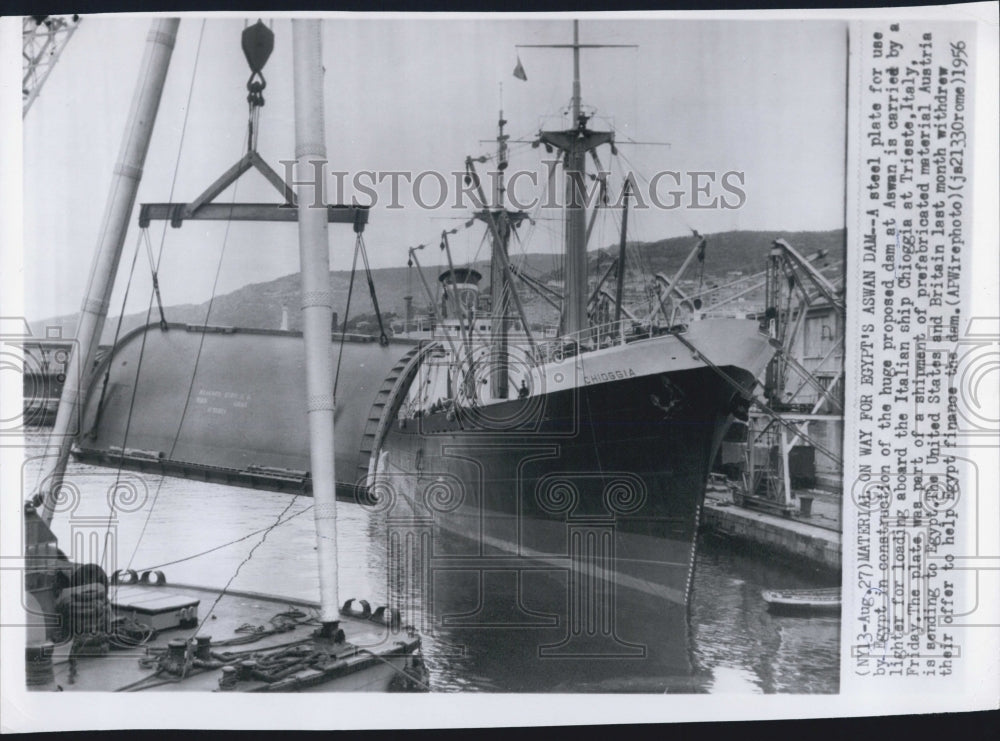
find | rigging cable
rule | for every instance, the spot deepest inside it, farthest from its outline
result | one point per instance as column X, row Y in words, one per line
column 144, row 234
column 128, row 427
column 746, row 392
column 224, row 545
column 281, row 517
column 249, row 141
column 222, row 592
column 383, row 340
column 118, row 329
column 194, row 375
column 149, row 308
column 347, row 313
column 701, row 269
column 101, row 238
column 637, row 259
column 156, row 280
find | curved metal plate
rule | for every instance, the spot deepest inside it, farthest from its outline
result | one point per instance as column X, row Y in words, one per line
column 228, row 399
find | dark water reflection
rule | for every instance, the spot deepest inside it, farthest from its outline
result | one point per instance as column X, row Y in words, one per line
column 734, row 643
column 738, row 645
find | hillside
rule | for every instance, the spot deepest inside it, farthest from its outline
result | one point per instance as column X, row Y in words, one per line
column 259, row 305
column 728, row 251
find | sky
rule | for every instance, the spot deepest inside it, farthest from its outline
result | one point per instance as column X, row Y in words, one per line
column 763, row 98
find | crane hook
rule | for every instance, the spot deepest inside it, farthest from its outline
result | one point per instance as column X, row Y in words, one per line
column 258, row 43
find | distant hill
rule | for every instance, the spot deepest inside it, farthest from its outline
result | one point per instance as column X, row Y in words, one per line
column 259, row 305
column 743, row 250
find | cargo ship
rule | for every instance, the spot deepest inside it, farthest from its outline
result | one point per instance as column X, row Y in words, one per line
column 552, row 487
column 539, row 495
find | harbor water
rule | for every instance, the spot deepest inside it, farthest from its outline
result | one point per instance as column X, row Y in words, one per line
column 264, row 542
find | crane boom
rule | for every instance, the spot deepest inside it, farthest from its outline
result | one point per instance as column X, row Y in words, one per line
column 43, row 39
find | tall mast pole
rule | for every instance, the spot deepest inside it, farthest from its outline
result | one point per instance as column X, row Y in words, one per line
column 577, row 97
column 576, row 216
column 94, row 311
column 575, row 143
column 499, row 286
column 317, row 310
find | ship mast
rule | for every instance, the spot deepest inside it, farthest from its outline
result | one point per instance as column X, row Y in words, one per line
column 499, row 288
column 575, row 143
column 124, row 185
column 502, row 223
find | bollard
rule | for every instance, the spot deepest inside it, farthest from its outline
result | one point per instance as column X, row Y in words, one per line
column 203, row 649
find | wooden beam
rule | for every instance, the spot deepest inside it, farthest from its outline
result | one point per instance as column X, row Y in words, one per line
column 250, row 160
column 224, row 181
column 273, row 178
column 177, row 213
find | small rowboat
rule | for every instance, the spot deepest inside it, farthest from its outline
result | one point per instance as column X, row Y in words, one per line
column 802, row 601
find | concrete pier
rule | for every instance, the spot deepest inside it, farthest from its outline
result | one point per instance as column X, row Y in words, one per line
column 815, row 540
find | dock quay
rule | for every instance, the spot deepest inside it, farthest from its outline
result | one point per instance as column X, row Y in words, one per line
column 815, row 539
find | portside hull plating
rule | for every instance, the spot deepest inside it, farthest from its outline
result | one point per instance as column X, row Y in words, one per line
column 569, row 535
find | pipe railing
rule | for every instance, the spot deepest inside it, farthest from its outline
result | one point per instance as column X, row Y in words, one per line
column 598, row 337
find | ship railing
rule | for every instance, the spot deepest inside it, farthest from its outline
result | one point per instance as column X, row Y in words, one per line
column 598, row 337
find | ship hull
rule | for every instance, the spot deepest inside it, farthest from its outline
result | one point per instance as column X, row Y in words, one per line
column 559, row 529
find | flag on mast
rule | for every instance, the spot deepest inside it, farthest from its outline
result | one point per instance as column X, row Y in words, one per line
column 519, row 70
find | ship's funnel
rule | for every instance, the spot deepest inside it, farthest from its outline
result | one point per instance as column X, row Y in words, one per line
column 408, row 315
column 461, row 291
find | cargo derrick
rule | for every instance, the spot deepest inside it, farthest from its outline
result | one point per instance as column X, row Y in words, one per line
column 796, row 447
